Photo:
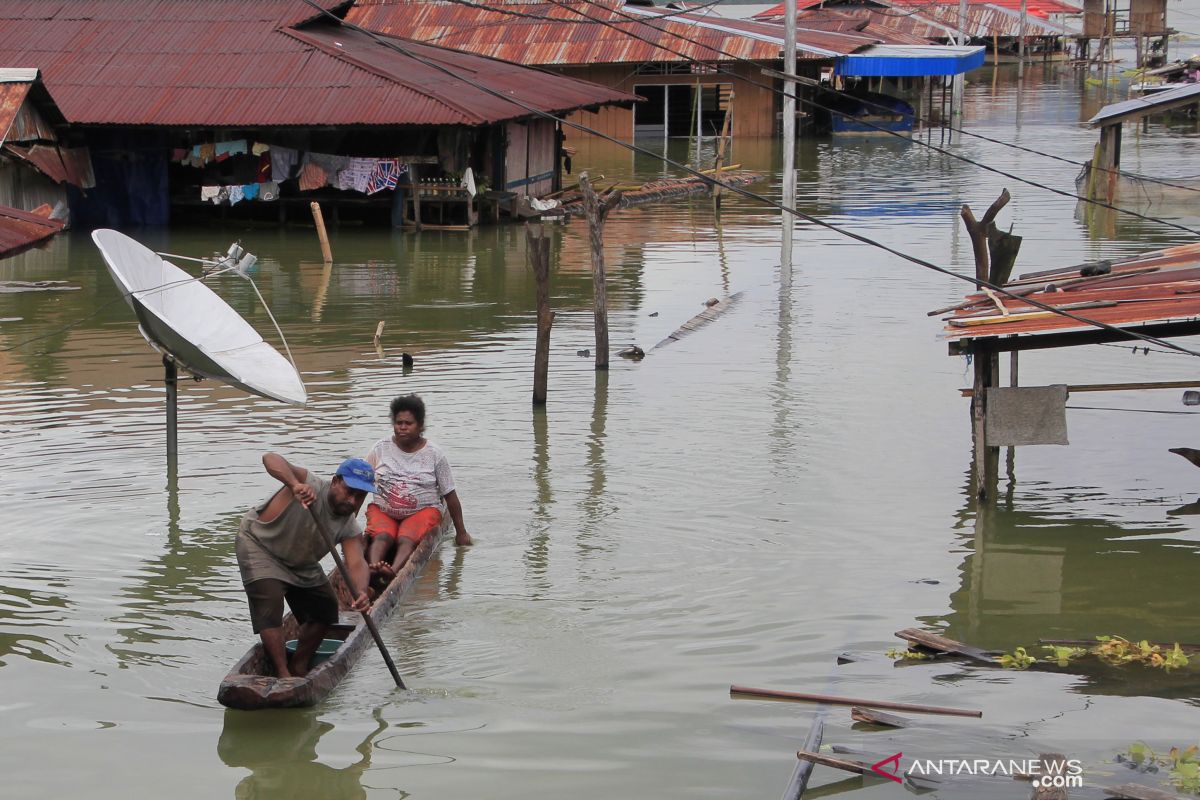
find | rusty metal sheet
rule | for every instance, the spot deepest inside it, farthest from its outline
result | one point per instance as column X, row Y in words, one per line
column 569, row 32
column 19, row 229
column 1172, row 292
column 220, row 63
column 12, row 97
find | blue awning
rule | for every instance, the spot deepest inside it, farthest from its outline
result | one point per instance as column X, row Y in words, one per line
column 915, row 61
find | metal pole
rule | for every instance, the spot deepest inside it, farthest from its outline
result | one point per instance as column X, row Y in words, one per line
column 789, row 135
column 171, row 379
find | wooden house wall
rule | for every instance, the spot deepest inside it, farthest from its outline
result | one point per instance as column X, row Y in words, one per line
column 755, row 105
column 1093, row 18
column 1147, row 17
column 529, row 162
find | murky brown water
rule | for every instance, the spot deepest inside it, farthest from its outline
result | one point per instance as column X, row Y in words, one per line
column 742, row 506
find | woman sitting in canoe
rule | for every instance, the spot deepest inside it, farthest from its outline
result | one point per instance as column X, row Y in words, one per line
column 413, row 479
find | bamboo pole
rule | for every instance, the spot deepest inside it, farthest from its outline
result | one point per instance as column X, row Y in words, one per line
column 915, row 708
column 319, row 219
column 538, row 252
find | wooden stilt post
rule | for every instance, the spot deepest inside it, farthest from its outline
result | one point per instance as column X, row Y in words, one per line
column 721, row 147
column 986, row 358
column 597, row 210
column 538, row 250
column 171, row 379
column 319, row 220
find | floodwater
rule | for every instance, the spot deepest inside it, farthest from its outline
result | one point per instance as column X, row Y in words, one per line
column 785, row 485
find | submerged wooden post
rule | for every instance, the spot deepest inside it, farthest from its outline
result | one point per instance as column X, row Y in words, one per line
column 319, row 220
column 721, row 147
column 597, row 210
column 538, row 249
column 985, row 357
column 171, row 379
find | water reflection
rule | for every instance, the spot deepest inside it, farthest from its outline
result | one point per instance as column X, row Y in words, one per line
column 1042, row 571
column 537, row 551
column 280, row 750
column 596, row 506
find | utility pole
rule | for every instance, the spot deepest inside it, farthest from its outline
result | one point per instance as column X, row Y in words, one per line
column 789, row 138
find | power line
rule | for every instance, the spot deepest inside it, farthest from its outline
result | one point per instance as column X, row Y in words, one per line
column 814, row 104
column 395, row 44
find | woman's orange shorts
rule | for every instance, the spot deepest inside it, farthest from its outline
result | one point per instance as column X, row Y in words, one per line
column 414, row 528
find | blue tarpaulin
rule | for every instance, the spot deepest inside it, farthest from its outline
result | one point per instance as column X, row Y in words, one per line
column 914, row 61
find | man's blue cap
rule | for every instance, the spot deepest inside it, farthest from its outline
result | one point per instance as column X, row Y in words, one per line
column 357, row 474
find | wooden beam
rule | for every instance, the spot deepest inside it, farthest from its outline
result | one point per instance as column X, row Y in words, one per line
column 1045, row 341
column 1115, row 387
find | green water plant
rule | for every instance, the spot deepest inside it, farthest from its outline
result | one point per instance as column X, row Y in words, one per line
column 1062, row 655
column 906, row 654
column 1017, row 659
column 1182, row 764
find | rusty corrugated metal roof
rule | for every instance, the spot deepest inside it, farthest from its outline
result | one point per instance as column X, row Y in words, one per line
column 939, row 22
column 19, row 229
column 1156, row 287
column 570, row 32
column 1043, row 9
column 888, row 28
column 221, row 63
column 12, row 97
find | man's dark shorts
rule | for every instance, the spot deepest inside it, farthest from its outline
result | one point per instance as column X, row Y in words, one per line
column 308, row 604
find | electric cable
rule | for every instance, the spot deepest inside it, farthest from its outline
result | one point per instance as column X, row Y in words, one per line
column 930, row 145
column 395, row 44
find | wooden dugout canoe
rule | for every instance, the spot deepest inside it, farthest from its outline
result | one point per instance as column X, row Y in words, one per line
column 252, row 685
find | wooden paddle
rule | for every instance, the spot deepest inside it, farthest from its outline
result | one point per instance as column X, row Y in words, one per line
column 341, row 565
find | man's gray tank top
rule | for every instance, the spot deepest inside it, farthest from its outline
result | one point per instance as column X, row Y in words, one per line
column 290, row 548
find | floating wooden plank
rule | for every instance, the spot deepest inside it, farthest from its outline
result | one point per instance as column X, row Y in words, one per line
column 802, row 697
column 1136, row 791
column 860, row 767
column 941, row 644
column 874, row 717
column 700, row 320
column 800, row 775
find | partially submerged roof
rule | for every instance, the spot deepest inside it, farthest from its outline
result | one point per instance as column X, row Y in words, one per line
column 585, row 32
column 1146, row 105
column 1157, row 292
column 911, row 60
column 20, row 229
column 229, row 63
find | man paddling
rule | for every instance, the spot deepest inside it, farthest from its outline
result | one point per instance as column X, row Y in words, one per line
column 279, row 549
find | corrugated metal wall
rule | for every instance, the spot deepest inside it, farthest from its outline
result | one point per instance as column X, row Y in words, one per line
column 24, row 188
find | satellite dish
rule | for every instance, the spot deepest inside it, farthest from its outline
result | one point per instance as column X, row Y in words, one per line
column 189, row 322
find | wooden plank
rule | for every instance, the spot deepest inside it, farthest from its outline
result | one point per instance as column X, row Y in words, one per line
column 1135, row 791
column 873, row 717
column 802, row 697
column 941, row 644
column 800, row 775
column 1115, row 387
column 860, row 767
column 965, row 322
